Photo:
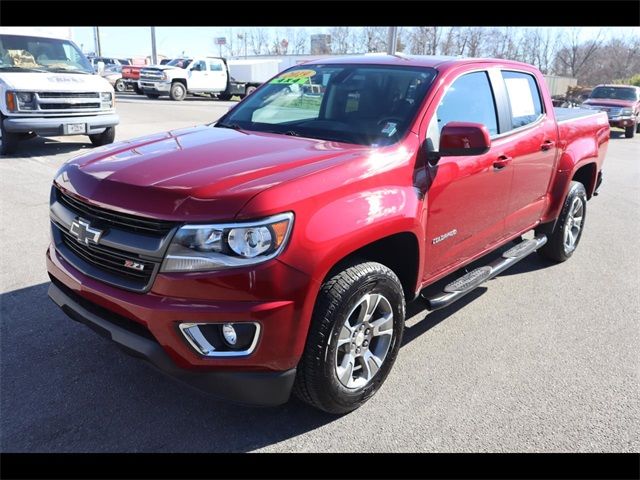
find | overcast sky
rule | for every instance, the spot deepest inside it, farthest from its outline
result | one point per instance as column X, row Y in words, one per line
column 172, row 41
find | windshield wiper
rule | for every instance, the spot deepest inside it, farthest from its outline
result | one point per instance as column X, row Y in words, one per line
column 22, row 69
column 292, row 133
column 232, row 126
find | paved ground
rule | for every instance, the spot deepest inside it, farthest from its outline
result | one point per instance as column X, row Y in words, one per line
column 543, row 358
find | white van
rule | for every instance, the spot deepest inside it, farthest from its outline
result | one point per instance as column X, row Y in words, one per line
column 49, row 88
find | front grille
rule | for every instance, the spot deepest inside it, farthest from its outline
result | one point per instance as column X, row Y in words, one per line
column 151, row 74
column 109, row 259
column 68, row 94
column 115, row 219
column 68, row 106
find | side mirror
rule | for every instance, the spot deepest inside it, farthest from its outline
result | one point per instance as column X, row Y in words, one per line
column 464, row 139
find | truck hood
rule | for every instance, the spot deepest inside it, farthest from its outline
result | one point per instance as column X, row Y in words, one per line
column 609, row 102
column 196, row 174
column 53, row 82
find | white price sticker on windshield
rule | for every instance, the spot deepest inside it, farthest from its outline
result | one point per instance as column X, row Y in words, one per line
column 520, row 97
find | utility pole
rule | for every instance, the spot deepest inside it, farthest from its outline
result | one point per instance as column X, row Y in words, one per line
column 154, row 54
column 96, row 39
column 392, row 41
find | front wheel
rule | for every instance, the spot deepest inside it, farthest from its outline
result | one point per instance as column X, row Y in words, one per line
column 629, row 132
column 355, row 334
column 567, row 232
column 178, row 91
column 120, row 86
column 104, row 138
column 8, row 140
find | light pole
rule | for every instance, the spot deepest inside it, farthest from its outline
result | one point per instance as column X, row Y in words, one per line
column 392, row 41
column 154, row 55
column 96, row 38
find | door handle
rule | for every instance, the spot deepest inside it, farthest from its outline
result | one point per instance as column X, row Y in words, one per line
column 547, row 145
column 502, row 162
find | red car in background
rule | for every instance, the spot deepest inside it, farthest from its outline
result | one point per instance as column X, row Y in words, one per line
column 621, row 103
column 131, row 75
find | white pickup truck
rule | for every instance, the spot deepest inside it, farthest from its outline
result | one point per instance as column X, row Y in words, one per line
column 48, row 88
column 205, row 75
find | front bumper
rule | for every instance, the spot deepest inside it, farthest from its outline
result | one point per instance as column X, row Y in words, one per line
column 55, row 126
column 622, row 122
column 255, row 388
column 239, row 295
column 154, row 87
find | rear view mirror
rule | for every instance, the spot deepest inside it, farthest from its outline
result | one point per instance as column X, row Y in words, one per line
column 464, row 139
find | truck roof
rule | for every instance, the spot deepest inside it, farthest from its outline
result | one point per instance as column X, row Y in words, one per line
column 432, row 61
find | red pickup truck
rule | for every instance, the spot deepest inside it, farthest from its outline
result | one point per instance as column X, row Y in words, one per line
column 621, row 103
column 130, row 77
column 275, row 250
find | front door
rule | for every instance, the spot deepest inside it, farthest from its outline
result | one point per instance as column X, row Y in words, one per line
column 466, row 201
column 198, row 77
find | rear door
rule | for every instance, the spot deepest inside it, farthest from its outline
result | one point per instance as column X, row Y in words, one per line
column 217, row 74
column 468, row 195
column 530, row 142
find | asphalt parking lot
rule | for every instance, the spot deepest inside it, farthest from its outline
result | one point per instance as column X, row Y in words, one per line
column 543, row 358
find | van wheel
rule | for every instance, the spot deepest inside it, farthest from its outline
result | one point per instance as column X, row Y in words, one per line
column 250, row 90
column 355, row 334
column 629, row 132
column 120, row 86
column 178, row 91
column 8, row 140
column 566, row 235
column 104, row 138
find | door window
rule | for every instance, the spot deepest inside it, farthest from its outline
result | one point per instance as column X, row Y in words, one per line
column 199, row 66
column 524, row 98
column 469, row 99
column 215, row 66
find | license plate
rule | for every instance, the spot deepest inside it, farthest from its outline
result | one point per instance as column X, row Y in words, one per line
column 72, row 128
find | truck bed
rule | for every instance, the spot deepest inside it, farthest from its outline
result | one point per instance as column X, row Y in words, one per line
column 566, row 114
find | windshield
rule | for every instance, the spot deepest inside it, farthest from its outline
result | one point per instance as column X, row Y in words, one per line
column 19, row 52
column 180, row 62
column 363, row 104
column 615, row 93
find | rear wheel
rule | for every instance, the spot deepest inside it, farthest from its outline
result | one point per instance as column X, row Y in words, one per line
column 178, row 91
column 354, row 338
column 567, row 232
column 120, row 86
column 629, row 132
column 250, row 90
column 104, row 138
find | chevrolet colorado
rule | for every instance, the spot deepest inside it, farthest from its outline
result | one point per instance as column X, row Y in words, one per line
column 275, row 249
column 621, row 103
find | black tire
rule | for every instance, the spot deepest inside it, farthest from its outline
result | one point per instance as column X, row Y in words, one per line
column 629, row 132
column 8, row 140
column 317, row 381
column 178, row 91
column 250, row 90
column 152, row 96
column 137, row 89
column 638, row 125
column 555, row 248
column 225, row 96
column 104, row 138
column 120, row 86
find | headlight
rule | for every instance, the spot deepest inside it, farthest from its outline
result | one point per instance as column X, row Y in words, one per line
column 107, row 99
column 164, row 76
column 23, row 100
column 626, row 112
column 221, row 246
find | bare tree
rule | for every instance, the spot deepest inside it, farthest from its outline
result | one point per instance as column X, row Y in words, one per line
column 298, row 40
column 233, row 47
column 258, row 40
column 574, row 55
column 341, row 40
column 373, row 39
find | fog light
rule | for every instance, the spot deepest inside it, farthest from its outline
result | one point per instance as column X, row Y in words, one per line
column 229, row 333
